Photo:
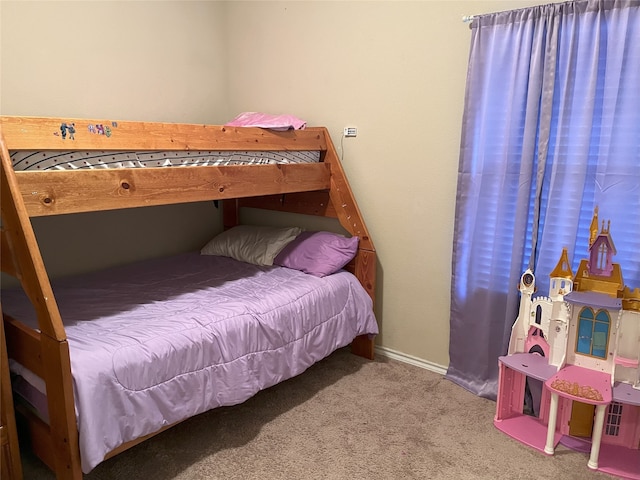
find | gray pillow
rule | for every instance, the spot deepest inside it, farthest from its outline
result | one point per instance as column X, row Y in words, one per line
column 254, row 244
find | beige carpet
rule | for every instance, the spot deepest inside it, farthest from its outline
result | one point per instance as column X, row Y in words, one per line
column 344, row 418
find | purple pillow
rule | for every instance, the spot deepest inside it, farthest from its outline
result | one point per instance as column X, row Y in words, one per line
column 318, row 253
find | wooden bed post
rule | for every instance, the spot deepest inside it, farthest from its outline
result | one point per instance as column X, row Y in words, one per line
column 22, row 258
column 351, row 219
column 230, row 213
column 10, row 465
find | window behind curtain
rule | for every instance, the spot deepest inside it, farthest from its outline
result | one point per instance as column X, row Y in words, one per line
column 595, row 136
column 551, row 130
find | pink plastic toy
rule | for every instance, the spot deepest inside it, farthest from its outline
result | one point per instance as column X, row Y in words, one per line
column 575, row 355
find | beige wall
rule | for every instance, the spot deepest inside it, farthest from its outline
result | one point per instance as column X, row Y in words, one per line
column 128, row 60
column 394, row 69
column 116, row 60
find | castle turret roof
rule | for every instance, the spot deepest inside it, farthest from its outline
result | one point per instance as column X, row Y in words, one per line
column 563, row 268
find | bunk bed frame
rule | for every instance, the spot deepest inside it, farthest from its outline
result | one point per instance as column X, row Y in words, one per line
column 315, row 189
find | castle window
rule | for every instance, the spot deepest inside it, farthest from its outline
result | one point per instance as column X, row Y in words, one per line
column 593, row 333
column 614, row 416
column 602, row 256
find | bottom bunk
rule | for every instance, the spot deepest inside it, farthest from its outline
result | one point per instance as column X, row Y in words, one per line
column 159, row 341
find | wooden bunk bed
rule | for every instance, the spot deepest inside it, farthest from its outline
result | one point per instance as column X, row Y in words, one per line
column 319, row 188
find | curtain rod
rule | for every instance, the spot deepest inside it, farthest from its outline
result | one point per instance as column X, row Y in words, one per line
column 467, row 18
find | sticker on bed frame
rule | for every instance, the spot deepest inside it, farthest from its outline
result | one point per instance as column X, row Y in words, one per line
column 67, row 129
column 101, row 129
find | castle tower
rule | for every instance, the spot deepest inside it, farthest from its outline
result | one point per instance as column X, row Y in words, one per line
column 520, row 328
column 560, row 284
column 599, row 273
column 561, row 278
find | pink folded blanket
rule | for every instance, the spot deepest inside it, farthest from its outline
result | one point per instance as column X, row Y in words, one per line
column 265, row 120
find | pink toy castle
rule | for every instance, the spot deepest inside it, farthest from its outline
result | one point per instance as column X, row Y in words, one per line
column 579, row 350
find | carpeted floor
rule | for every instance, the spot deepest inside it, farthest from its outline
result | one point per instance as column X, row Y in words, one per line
column 344, row 418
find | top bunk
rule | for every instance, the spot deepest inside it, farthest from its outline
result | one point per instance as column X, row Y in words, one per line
column 118, row 164
column 290, row 162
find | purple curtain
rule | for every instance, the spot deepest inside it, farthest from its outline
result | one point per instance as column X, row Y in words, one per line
column 551, row 129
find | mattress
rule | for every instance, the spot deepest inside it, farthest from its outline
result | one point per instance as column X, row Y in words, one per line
column 162, row 340
column 95, row 159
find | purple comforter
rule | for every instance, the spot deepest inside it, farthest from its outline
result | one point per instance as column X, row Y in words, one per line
column 160, row 341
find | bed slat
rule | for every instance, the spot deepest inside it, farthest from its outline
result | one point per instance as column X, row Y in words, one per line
column 23, row 345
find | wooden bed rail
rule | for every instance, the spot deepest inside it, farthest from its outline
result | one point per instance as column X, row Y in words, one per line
column 43, row 133
column 57, row 192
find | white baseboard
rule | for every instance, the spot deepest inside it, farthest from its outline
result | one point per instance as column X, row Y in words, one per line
column 418, row 362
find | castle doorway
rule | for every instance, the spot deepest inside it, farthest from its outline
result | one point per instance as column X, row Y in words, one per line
column 581, row 422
